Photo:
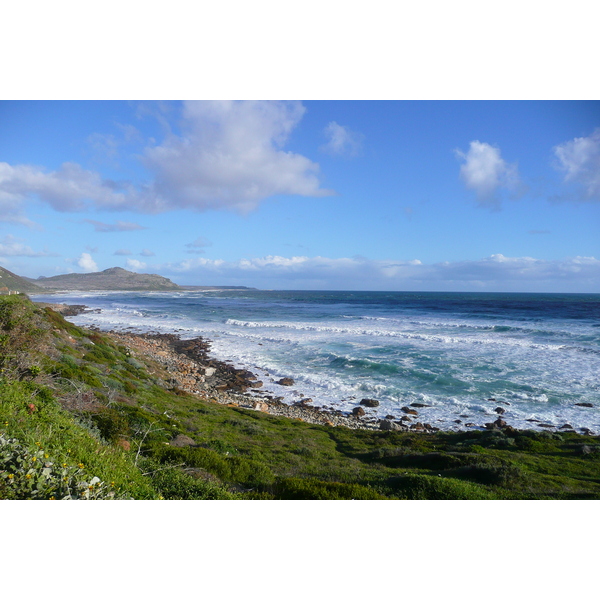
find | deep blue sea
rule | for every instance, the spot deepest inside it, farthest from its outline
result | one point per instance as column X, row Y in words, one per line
column 537, row 355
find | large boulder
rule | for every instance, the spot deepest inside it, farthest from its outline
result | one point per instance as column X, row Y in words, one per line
column 285, row 381
column 369, row 403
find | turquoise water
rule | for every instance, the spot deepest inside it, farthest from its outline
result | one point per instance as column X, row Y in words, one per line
column 537, row 355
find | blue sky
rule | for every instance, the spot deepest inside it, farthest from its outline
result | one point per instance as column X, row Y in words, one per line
column 376, row 195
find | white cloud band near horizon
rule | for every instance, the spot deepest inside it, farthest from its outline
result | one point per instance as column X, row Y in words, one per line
column 493, row 273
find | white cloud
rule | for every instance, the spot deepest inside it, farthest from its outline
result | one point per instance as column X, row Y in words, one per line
column 487, row 173
column 146, row 252
column 123, row 252
column 493, row 273
column 132, row 263
column 67, row 189
column 579, row 159
column 229, row 155
column 86, row 262
column 341, row 140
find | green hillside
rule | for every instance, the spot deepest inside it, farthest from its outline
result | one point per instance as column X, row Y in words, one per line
column 11, row 282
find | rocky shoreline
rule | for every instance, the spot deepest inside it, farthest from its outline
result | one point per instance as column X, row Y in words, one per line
column 186, row 365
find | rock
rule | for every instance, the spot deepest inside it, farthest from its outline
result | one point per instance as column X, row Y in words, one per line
column 358, row 411
column 209, row 371
column 405, row 419
column 387, row 425
column 256, row 384
column 261, row 406
column 409, row 411
column 547, row 425
column 586, row 404
column 497, row 424
column 370, row 403
column 285, row 381
column 181, row 441
column 499, row 410
column 458, row 421
column 389, row 416
column 419, row 405
column 566, row 426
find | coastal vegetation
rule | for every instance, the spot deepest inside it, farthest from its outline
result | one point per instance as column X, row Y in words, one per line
column 82, row 417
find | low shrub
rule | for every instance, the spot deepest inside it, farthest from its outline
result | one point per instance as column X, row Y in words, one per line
column 27, row 474
column 295, row 488
column 427, row 487
column 173, row 484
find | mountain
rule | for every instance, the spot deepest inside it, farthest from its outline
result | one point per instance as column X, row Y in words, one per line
column 114, row 279
column 13, row 283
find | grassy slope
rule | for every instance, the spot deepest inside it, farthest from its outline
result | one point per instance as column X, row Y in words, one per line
column 19, row 284
column 94, row 405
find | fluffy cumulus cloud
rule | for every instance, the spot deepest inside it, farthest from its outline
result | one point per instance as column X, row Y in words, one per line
column 579, row 160
column 229, row 155
column 493, row 273
column 341, row 141
column 486, row 173
column 87, row 263
column 226, row 155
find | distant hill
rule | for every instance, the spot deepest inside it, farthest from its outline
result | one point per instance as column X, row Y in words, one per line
column 114, row 279
column 13, row 283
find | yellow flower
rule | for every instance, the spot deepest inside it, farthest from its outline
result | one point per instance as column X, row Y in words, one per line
column 80, row 465
column 52, row 498
column 10, row 476
column 33, row 459
column 28, row 476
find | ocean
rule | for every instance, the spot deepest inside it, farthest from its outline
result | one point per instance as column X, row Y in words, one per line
column 462, row 355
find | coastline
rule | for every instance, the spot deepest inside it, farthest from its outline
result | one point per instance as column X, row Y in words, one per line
column 188, row 366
